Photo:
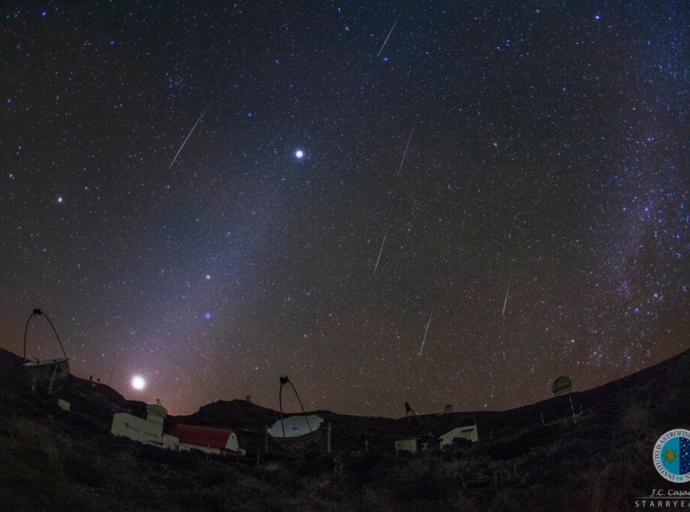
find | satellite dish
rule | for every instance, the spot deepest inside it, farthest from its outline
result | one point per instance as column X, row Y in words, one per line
column 284, row 381
column 295, row 435
column 295, row 426
column 562, row 386
column 47, row 375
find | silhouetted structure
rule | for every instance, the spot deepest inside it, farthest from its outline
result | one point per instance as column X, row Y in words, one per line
column 562, row 386
column 48, row 375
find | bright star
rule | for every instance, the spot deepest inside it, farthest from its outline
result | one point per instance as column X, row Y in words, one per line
column 299, row 153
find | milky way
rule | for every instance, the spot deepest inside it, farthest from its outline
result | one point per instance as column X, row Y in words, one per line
column 544, row 145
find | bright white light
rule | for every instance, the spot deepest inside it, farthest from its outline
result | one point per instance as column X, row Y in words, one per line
column 138, row 382
column 299, row 153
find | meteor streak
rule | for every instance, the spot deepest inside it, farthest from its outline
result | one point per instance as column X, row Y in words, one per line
column 426, row 332
column 380, row 251
column 506, row 299
column 190, row 134
column 389, row 34
column 406, row 148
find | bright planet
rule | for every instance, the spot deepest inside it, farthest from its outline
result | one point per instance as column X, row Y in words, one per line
column 138, row 382
column 496, row 189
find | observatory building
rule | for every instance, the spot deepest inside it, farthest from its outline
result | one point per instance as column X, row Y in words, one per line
column 148, row 431
column 406, row 445
column 218, row 441
column 562, row 386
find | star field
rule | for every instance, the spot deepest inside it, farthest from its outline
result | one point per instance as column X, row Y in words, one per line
column 214, row 195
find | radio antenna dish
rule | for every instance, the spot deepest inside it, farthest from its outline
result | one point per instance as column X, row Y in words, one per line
column 48, row 375
column 284, row 381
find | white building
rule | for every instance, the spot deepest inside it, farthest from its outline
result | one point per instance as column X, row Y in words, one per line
column 219, row 441
column 406, row 445
column 469, row 432
column 149, row 430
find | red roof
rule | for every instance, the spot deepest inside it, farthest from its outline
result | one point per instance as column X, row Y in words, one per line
column 202, row 436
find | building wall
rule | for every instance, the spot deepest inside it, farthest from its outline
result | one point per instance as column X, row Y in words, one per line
column 205, row 449
column 406, row 445
column 156, row 413
column 171, row 442
column 232, row 443
column 137, row 429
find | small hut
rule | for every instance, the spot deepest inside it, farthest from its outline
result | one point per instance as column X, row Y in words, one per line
column 406, row 445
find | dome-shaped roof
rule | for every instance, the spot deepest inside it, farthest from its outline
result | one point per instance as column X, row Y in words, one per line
column 561, row 386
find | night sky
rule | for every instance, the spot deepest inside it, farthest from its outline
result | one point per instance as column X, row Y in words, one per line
column 154, row 204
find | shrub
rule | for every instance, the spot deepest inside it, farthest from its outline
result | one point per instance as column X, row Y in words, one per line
column 636, row 416
column 30, row 461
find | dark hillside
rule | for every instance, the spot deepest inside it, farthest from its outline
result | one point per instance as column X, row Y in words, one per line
column 52, row 459
column 648, row 392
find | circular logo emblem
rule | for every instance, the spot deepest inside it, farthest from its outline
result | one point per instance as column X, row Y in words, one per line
column 672, row 455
